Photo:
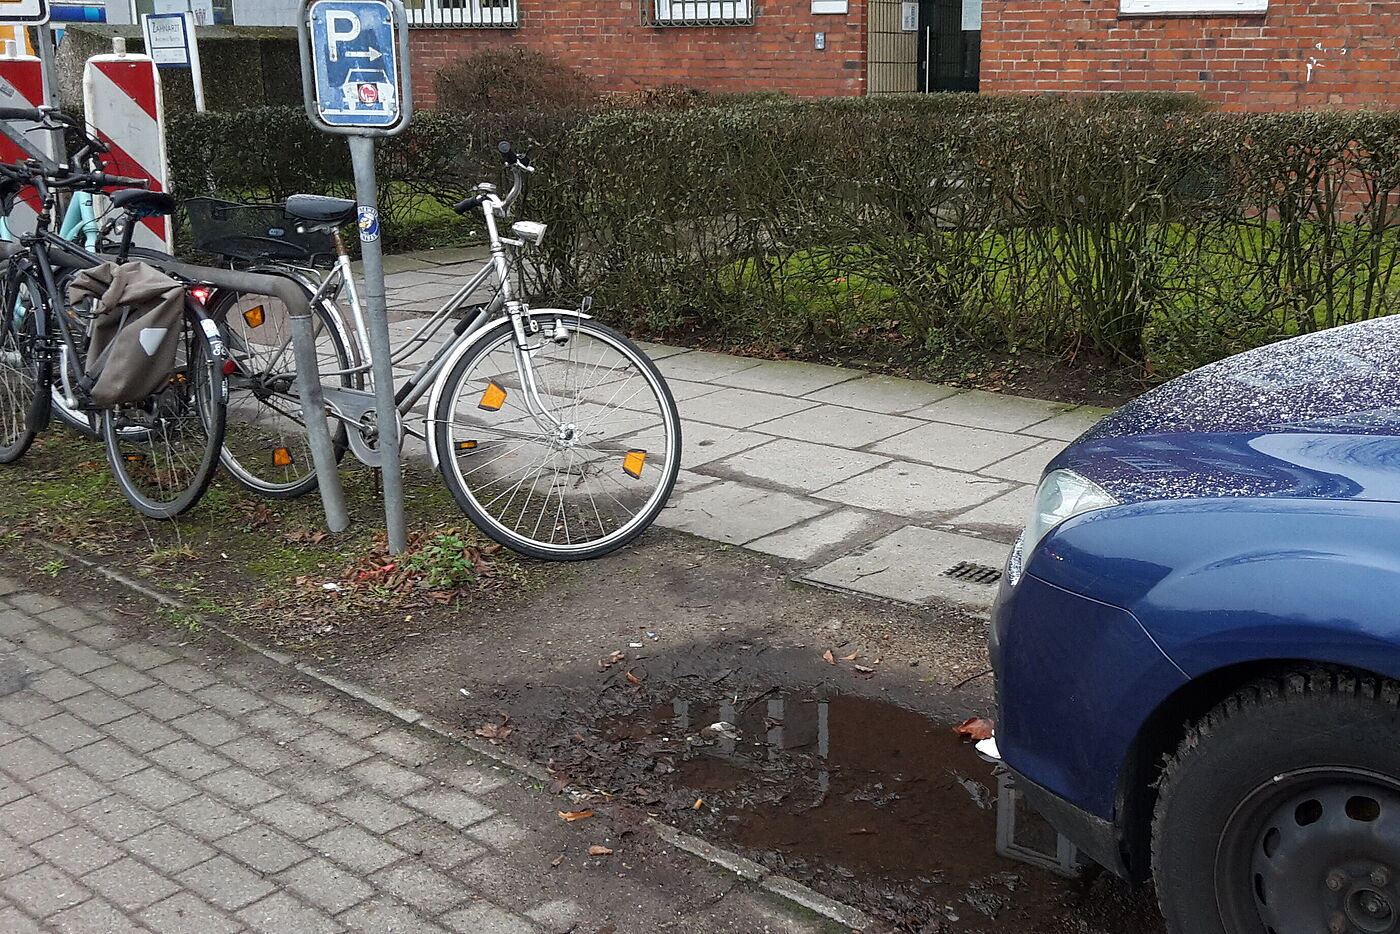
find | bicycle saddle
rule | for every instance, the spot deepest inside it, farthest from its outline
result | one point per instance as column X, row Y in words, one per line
column 321, row 209
column 141, row 201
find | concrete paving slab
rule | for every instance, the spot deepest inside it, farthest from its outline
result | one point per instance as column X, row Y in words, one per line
column 433, row 292
column 393, row 264
column 1070, row 425
column 954, row 446
column 660, row 351
column 989, row 410
column 798, row 465
column 1027, row 466
column 1003, row 517
column 887, row 394
column 410, row 279
column 789, row 377
column 808, row 541
column 683, row 390
column 736, row 512
column 742, row 408
column 703, row 366
column 701, row 443
column 909, row 565
column 839, row 427
column 449, row 255
column 914, row 490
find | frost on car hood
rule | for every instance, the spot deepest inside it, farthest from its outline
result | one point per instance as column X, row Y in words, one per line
column 1313, row 416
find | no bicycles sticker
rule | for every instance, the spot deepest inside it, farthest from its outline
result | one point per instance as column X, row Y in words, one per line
column 369, row 224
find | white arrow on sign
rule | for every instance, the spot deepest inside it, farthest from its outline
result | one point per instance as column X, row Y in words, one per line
column 373, row 55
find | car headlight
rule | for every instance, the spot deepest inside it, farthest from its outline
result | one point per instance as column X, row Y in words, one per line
column 1063, row 494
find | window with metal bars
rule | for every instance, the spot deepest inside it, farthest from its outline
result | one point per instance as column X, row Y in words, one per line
column 465, row 14
column 697, row 12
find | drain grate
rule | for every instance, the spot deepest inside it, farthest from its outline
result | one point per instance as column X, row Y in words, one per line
column 973, row 573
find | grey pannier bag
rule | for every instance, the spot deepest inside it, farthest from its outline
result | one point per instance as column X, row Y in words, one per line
column 132, row 346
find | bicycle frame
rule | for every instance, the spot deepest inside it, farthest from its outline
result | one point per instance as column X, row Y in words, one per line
column 355, row 407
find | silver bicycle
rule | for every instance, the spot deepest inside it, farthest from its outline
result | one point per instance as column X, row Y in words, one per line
column 557, row 436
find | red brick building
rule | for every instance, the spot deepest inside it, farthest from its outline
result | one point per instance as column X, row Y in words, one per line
column 1245, row 54
column 810, row 48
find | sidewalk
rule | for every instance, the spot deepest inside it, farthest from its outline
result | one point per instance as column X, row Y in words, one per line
column 869, row 484
column 157, row 780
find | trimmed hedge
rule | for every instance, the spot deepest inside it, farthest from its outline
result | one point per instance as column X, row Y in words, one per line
column 1140, row 228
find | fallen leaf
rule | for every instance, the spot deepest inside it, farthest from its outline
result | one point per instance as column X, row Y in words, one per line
column 559, row 783
column 599, row 851
column 696, row 805
column 557, row 860
column 830, row 659
column 605, row 663
column 850, row 658
column 494, row 731
column 633, row 678
column 976, row 728
column 572, row 816
column 862, row 669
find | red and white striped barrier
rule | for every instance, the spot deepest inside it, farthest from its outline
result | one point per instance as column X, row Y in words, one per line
column 125, row 109
column 21, row 85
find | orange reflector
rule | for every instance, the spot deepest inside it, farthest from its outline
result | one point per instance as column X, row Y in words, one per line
column 254, row 316
column 133, row 458
column 632, row 464
column 281, row 457
column 493, row 398
column 466, row 445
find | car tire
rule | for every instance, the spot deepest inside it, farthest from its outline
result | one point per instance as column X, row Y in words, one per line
column 1280, row 811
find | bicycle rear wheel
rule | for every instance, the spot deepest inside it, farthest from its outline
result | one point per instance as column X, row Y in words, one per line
column 164, row 450
column 24, row 373
column 265, row 444
column 579, row 479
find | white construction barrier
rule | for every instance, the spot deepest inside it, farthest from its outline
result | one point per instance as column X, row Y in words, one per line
column 21, row 85
column 125, row 109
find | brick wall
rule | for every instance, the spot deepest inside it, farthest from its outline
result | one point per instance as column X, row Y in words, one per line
column 607, row 41
column 1302, row 54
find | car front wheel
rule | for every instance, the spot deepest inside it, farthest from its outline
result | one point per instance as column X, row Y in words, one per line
column 1280, row 812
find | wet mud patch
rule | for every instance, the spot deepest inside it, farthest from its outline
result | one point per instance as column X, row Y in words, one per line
column 845, row 786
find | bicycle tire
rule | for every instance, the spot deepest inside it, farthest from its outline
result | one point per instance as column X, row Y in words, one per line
column 258, row 437
column 25, row 373
column 191, row 405
column 574, row 453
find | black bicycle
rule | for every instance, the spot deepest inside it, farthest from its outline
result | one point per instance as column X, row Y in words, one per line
column 164, row 449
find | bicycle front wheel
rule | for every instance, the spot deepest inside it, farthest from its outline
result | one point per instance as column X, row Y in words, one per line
column 576, row 469
column 24, row 372
column 164, row 450
column 265, row 446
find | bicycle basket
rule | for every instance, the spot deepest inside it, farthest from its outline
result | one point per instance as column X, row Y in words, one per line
column 253, row 232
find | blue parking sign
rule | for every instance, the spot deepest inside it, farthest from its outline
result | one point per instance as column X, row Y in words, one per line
column 354, row 63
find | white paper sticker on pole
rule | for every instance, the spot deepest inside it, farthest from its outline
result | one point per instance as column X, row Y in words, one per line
column 21, row 85
column 125, row 109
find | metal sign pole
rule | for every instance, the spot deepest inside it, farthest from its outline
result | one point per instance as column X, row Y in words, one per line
column 385, row 407
column 56, row 149
column 356, row 82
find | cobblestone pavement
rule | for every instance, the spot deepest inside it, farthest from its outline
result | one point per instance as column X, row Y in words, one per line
column 156, row 779
column 868, row 483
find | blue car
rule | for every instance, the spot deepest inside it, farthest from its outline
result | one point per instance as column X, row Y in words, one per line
column 1197, row 640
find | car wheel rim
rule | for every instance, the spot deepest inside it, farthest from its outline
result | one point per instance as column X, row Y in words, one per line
column 1313, row 851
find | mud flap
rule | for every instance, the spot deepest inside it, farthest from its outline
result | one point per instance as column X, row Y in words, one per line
column 1027, row 837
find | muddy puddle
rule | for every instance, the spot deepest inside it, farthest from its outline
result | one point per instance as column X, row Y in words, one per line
column 852, row 782
column 868, row 801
